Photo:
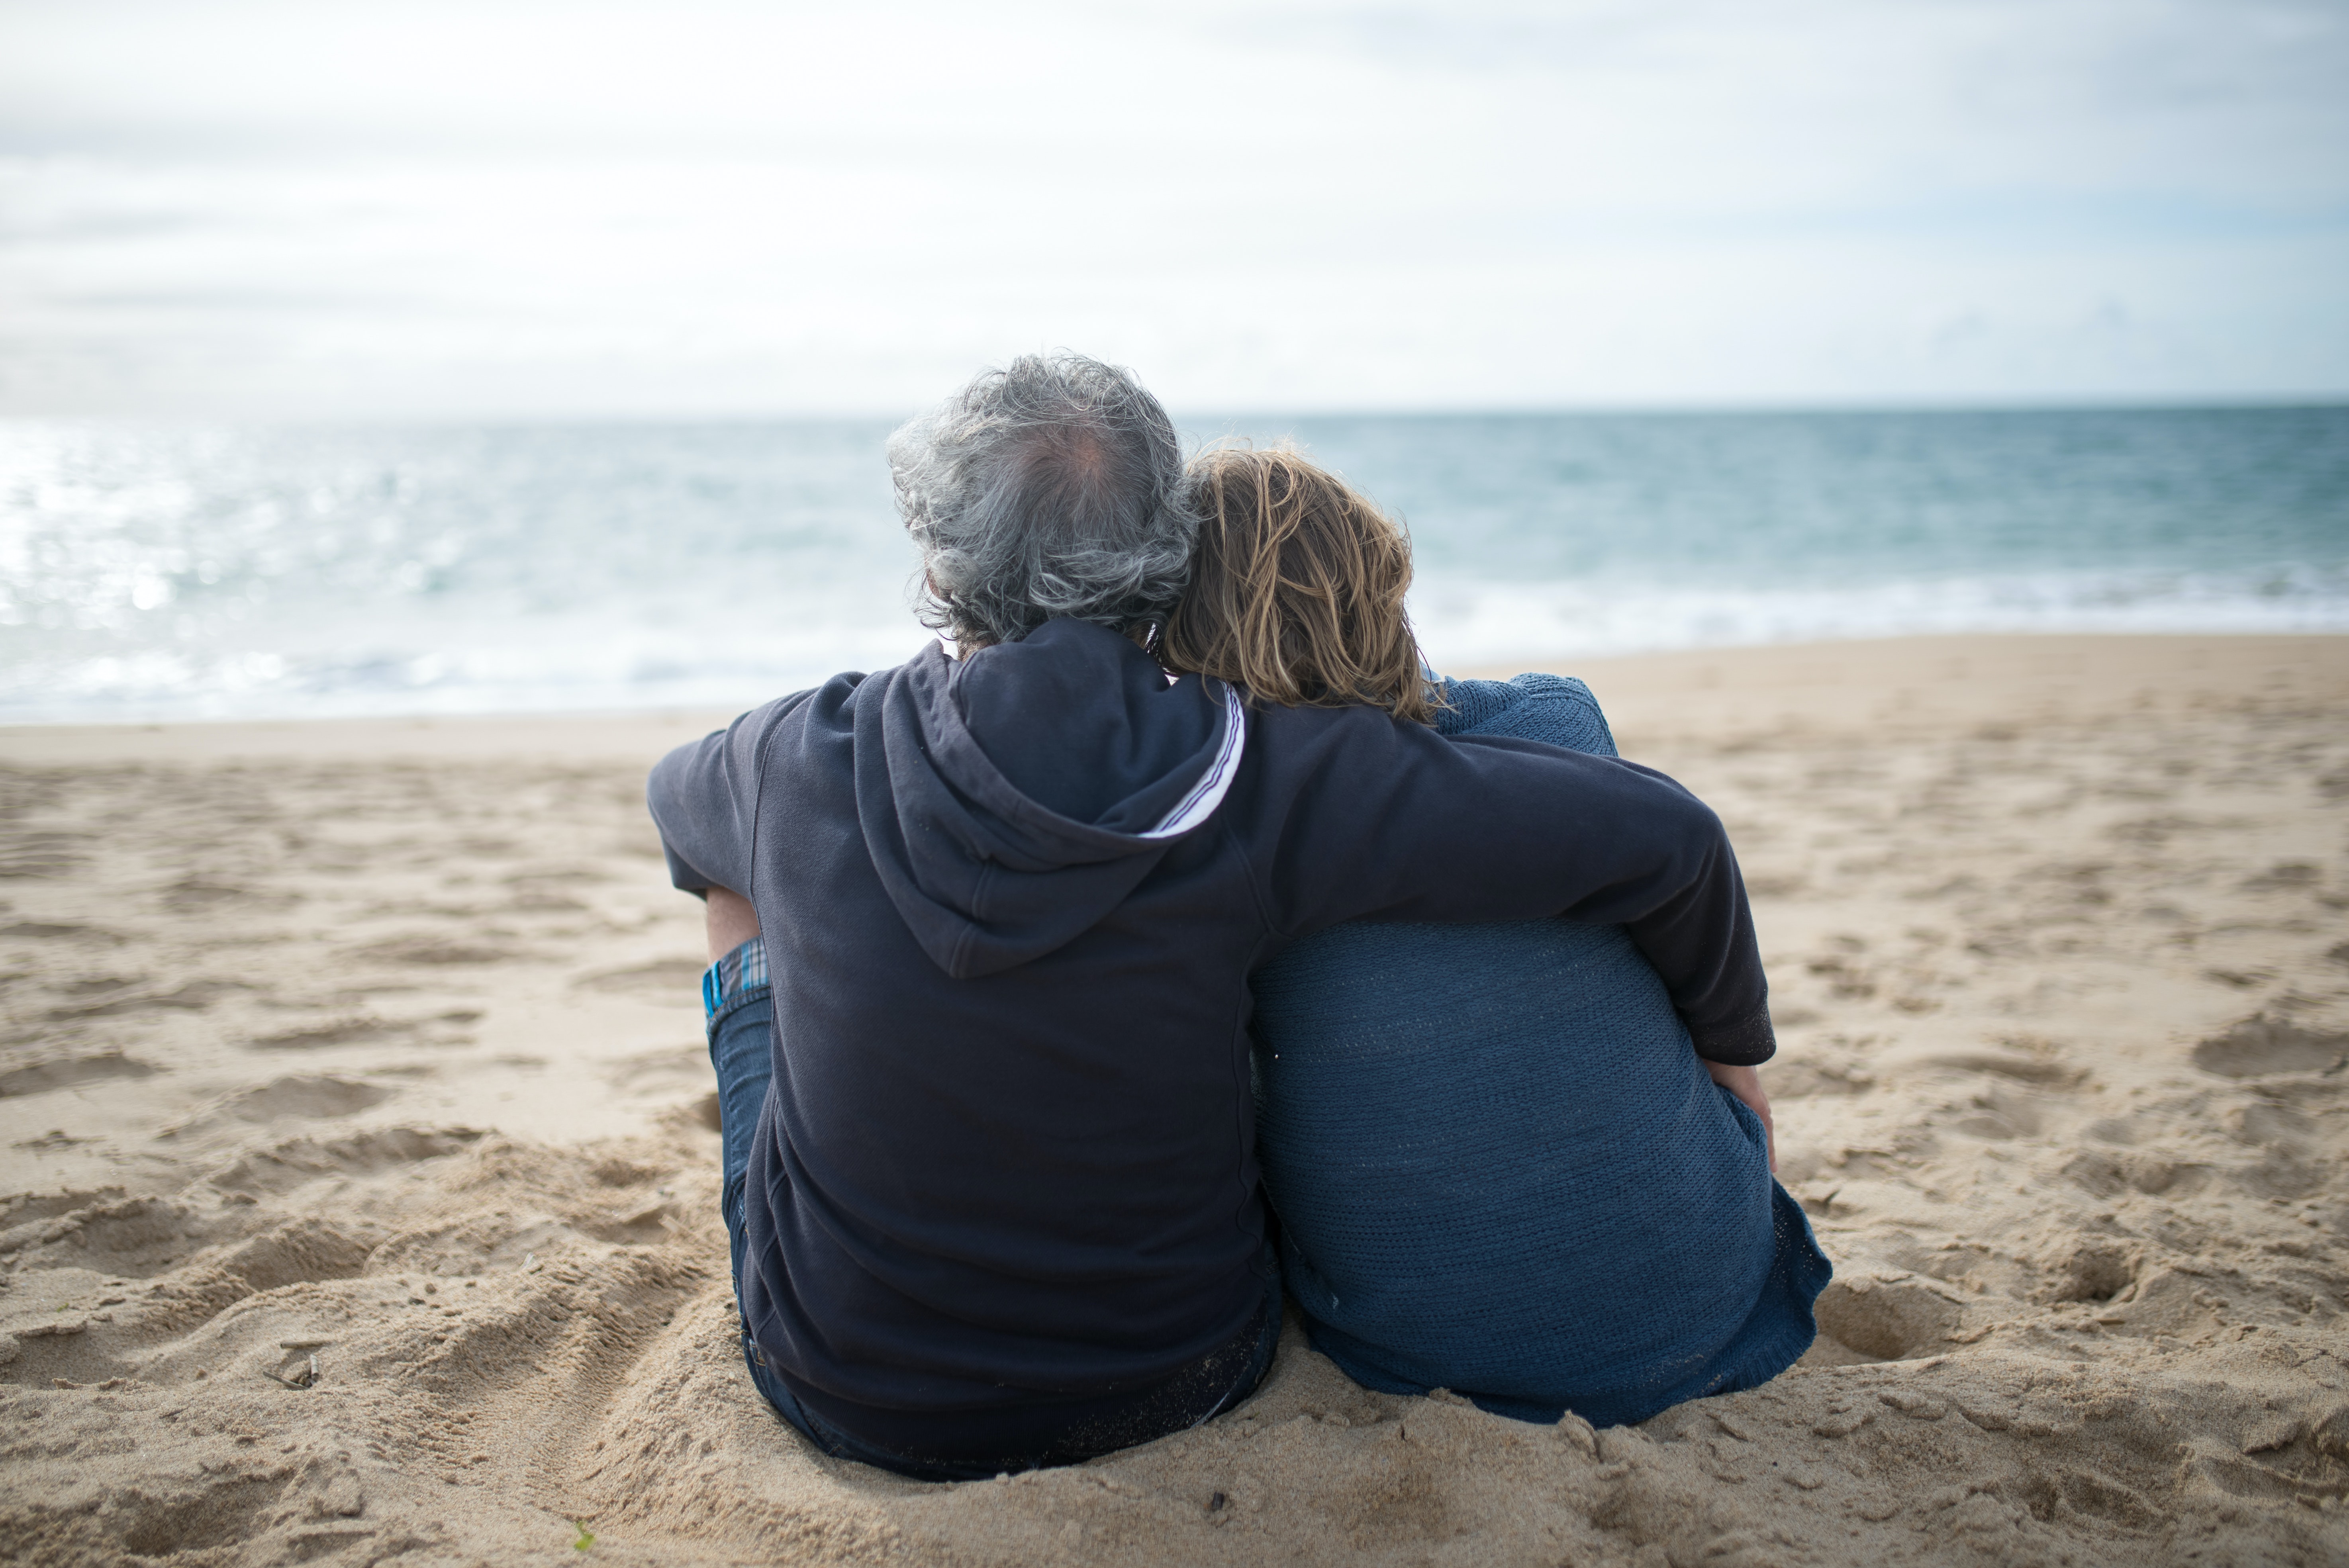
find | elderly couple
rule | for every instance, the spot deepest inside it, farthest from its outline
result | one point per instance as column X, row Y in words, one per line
column 1174, row 938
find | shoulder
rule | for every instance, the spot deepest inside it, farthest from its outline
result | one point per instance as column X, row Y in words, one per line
column 1289, row 729
column 732, row 751
column 1558, row 710
column 1290, row 748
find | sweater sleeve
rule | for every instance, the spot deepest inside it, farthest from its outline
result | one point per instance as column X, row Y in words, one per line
column 704, row 799
column 1390, row 821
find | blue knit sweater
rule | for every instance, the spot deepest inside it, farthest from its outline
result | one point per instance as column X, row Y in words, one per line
column 1499, row 1166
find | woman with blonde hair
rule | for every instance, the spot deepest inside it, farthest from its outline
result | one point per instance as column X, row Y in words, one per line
column 1499, row 1164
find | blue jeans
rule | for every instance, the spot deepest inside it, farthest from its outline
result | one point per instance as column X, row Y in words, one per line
column 739, row 1000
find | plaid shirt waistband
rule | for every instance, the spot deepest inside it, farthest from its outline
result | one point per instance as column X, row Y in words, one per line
column 734, row 977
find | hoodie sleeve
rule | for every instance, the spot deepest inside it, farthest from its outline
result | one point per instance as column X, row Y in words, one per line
column 1390, row 821
column 705, row 800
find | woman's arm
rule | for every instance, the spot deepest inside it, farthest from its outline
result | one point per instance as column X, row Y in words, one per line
column 1745, row 1083
column 1559, row 711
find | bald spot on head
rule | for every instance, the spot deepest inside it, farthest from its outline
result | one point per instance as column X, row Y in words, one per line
column 1051, row 488
column 1072, row 470
column 1084, row 455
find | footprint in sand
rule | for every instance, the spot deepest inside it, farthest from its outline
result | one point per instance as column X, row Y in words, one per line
column 109, row 1233
column 55, row 931
column 1888, row 1318
column 65, row 1072
column 436, row 952
column 1801, row 1079
column 304, row 1096
column 2093, row 1270
column 2105, row 1173
column 306, row 1249
column 341, row 1032
column 299, row 1162
column 2039, row 1070
column 439, row 1029
column 194, row 996
column 2284, row 876
column 2260, row 1045
column 308, row 1097
column 2294, row 1160
column 199, row 895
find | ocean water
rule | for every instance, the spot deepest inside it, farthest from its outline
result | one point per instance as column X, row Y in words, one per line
column 165, row 573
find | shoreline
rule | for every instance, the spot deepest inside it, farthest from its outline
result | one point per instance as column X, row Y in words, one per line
column 1897, row 681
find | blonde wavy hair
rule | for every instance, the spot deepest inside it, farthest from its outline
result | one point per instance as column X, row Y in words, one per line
column 1297, row 588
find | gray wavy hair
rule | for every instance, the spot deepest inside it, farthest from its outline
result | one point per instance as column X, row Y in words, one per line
column 1053, row 487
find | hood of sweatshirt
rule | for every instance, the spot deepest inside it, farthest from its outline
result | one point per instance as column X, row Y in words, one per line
column 1012, row 798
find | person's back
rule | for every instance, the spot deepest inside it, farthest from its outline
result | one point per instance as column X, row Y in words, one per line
column 1501, row 1169
column 980, row 1015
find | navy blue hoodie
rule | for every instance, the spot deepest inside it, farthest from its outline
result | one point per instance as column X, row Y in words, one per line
column 1011, row 905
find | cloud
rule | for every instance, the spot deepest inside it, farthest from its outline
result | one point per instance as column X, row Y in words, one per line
column 251, row 209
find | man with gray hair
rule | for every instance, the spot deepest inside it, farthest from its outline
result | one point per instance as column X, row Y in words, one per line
column 984, row 925
column 1054, row 488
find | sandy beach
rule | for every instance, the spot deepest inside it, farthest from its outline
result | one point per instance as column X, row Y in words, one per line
column 357, row 1140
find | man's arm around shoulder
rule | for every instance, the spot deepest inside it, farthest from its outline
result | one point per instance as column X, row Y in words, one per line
column 1384, row 821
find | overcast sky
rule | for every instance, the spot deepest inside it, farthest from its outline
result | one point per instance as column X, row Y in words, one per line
column 509, row 209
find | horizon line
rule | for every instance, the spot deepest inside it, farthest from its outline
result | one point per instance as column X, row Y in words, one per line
column 2313, row 402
